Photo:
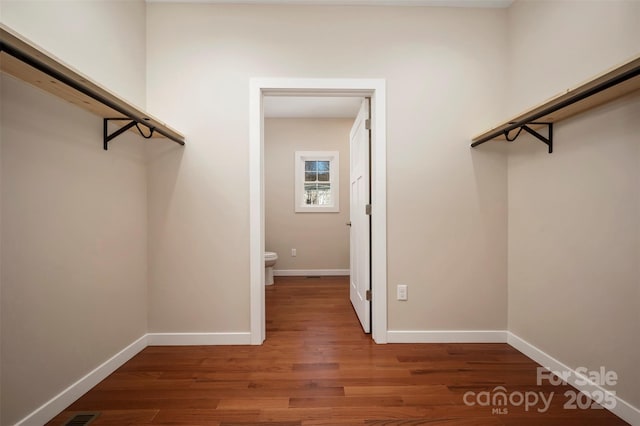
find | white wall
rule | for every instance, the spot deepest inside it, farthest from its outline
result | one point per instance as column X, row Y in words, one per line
column 74, row 218
column 445, row 72
column 321, row 239
column 574, row 215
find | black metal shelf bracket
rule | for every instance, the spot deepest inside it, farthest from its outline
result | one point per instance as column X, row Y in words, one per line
column 548, row 140
column 109, row 137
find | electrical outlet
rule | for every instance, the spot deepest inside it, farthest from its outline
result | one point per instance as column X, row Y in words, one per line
column 294, row 252
column 402, row 292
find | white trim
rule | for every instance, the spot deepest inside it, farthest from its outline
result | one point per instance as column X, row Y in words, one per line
column 58, row 403
column 378, row 176
column 198, row 339
column 256, row 213
column 623, row 409
column 447, row 336
column 493, row 4
column 309, row 272
column 333, row 157
column 376, row 89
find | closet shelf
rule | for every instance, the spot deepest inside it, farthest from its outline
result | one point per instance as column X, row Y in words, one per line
column 606, row 87
column 26, row 61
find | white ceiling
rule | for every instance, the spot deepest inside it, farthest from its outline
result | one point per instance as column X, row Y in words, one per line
column 434, row 3
column 311, row 107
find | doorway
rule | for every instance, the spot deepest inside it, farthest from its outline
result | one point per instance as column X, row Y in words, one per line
column 371, row 88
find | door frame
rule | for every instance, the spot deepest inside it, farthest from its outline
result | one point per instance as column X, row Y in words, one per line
column 376, row 90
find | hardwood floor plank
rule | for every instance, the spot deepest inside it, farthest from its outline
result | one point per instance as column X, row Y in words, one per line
column 317, row 367
column 330, row 402
column 206, row 417
column 438, row 422
column 257, row 403
column 373, row 390
column 295, row 423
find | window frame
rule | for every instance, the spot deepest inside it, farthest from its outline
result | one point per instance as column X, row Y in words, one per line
column 334, row 181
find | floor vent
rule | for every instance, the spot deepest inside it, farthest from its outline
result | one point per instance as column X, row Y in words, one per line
column 313, row 277
column 82, row 419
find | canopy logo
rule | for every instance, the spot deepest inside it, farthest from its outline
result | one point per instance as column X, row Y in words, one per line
column 499, row 399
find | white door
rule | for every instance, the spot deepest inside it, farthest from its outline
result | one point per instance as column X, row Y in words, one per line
column 360, row 220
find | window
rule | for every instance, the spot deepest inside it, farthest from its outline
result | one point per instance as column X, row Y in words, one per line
column 317, row 181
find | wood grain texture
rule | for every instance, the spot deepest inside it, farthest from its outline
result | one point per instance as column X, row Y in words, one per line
column 317, row 368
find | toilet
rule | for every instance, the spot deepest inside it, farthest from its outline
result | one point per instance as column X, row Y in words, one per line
column 269, row 260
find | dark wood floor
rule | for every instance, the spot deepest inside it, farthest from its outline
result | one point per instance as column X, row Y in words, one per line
column 318, row 368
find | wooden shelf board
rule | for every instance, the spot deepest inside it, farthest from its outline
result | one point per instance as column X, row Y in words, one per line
column 19, row 69
column 619, row 90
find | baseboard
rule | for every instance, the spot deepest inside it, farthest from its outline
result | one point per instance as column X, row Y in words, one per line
column 195, row 339
column 623, row 409
column 58, row 403
column 309, row 272
column 447, row 336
